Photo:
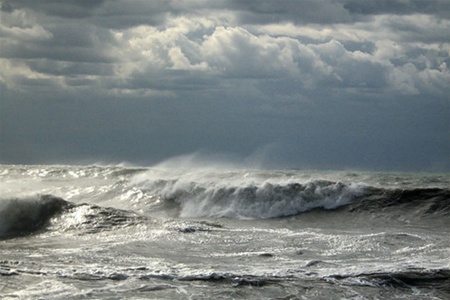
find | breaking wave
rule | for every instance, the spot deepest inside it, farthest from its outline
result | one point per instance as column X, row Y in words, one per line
column 32, row 214
column 21, row 216
column 275, row 198
column 259, row 202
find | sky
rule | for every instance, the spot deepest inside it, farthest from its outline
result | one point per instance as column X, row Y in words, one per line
column 323, row 84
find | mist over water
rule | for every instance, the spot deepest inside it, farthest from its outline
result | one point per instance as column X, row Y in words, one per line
column 190, row 228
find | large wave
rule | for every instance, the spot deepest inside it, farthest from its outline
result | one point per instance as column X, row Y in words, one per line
column 269, row 198
column 255, row 201
column 21, row 216
column 33, row 214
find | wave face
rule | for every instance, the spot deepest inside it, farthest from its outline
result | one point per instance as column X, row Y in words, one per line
column 423, row 201
column 21, row 216
column 24, row 216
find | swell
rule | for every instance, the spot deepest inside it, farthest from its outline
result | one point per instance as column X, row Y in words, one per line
column 436, row 279
column 413, row 278
column 422, row 201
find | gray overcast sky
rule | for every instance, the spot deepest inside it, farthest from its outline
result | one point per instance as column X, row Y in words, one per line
column 298, row 84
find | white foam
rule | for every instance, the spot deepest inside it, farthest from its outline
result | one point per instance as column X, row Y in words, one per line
column 244, row 193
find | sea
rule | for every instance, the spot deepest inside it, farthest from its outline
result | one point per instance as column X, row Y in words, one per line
column 222, row 232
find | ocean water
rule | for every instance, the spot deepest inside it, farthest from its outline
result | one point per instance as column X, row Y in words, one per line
column 218, row 232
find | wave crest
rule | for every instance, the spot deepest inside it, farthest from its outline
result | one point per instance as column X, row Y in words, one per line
column 21, row 216
column 265, row 201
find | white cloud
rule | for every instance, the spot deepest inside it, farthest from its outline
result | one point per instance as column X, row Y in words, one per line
column 240, row 73
column 19, row 25
column 19, row 76
column 407, row 53
column 237, row 53
column 403, row 79
column 232, row 52
column 410, row 53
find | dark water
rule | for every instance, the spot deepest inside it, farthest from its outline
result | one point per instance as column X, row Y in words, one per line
column 91, row 232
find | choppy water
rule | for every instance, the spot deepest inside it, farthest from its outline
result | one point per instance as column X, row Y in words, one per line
column 115, row 232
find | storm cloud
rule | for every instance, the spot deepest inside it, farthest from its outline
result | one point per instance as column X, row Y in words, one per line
column 317, row 84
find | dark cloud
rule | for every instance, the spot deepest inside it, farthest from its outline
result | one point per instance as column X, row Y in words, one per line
column 57, row 53
column 171, row 80
column 6, row 7
column 120, row 14
column 327, row 12
column 71, row 69
column 312, row 83
column 102, row 13
column 403, row 7
column 423, row 28
column 266, row 11
column 65, row 9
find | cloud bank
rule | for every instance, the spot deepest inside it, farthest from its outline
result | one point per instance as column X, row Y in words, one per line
column 332, row 83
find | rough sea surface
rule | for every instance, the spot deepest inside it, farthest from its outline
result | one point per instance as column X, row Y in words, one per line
column 116, row 232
